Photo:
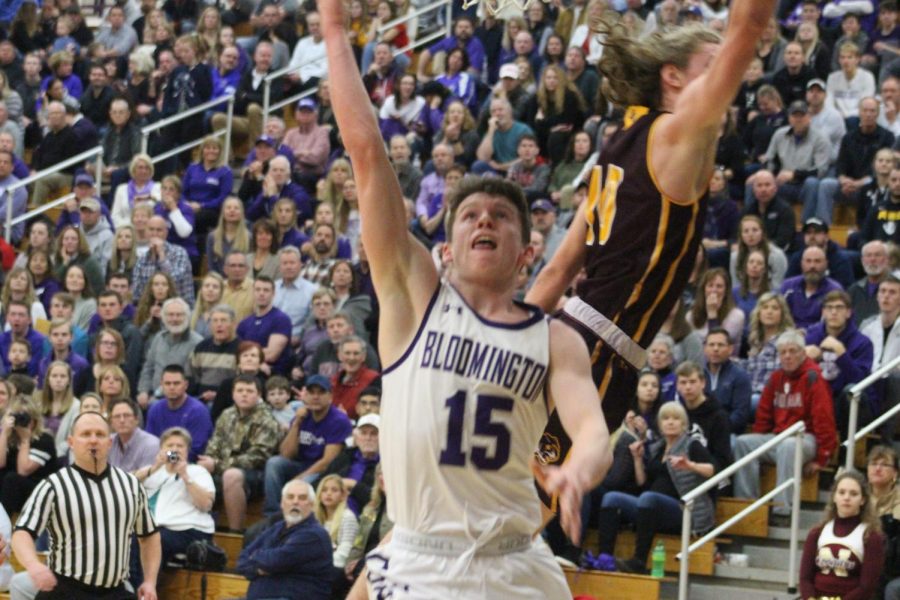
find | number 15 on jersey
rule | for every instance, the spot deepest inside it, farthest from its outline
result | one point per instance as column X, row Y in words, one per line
column 485, row 426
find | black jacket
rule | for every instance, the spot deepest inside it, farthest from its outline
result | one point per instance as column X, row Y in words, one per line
column 362, row 491
column 710, row 421
column 246, row 94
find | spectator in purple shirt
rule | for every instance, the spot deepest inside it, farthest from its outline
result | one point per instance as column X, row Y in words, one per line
column 180, row 410
column 180, row 216
column 463, row 37
column 275, row 185
column 18, row 321
column 267, row 326
column 805, row 293
column 8, row 144
column 842, row 352
column 61, row 350
column 206, row 184
column 314, row 440
column 132, row 447
column 356, row 464
column 227, row 75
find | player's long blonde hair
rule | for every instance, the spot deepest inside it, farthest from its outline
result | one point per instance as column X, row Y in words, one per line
column 631, row 67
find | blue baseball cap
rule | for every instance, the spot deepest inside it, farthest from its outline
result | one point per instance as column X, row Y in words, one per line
column 266, row 139
column 307, row 103
column 544, row 205
column 319, row 381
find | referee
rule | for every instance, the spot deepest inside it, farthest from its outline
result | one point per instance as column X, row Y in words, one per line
column 90, row 510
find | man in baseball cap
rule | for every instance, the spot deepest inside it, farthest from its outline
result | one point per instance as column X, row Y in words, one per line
column 314, row 439
column 825, row 118
column 815, row 234
column 310, row 144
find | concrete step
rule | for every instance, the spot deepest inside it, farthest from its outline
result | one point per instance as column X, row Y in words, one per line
column 715, row 591
column 744, row 574
column 766, row 557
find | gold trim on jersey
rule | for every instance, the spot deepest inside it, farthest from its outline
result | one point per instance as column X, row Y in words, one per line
column 667, row 282
column 633, row 113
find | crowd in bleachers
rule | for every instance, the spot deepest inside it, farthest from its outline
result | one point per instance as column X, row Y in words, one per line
column 230, row 296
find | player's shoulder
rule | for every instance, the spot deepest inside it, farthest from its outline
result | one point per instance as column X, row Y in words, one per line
column 565, row 342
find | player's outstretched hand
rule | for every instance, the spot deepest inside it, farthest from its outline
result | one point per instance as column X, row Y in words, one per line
column 570, row 490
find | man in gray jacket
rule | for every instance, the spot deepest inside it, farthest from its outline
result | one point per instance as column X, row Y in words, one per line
column 799, row 154
column 172, row 345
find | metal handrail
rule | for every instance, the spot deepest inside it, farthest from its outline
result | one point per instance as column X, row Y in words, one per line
column 727, row 472
column 420, row 42
column 96, row 151
column 290, row 100
column 42, row 209
column 796, row 430
column 200, row 108
column 856, row 392
column 182, row 148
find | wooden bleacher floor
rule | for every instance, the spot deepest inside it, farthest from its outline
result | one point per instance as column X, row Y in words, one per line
column 181, row 584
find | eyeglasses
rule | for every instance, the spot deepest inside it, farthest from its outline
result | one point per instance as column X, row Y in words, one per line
column 882, row 465
column 109, row 343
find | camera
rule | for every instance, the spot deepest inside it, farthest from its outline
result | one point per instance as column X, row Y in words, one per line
column 172, row 456
column 23, row 419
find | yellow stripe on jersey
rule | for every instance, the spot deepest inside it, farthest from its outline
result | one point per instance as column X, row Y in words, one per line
column 633, row 113
column 664, row 210
column 673, row 267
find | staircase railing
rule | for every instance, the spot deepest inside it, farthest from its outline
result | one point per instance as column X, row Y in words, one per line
column 94, row 153
column 856, row 393
column 200, row 108
column 797, row 431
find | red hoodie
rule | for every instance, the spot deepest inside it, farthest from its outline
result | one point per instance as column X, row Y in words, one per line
column 803, row 394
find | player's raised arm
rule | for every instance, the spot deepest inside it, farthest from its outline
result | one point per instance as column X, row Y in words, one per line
column 701, row 102
column 558, row 274
column 575, row 397
column 402, row 270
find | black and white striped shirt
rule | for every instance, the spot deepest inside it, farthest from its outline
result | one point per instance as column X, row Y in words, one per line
column 90, row 519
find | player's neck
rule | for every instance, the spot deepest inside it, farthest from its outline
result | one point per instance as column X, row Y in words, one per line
column 491, row 302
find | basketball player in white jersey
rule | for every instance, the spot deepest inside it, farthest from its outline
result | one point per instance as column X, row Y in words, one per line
column 470, row 381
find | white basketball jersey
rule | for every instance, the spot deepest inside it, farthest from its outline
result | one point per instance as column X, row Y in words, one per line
column 462, row 412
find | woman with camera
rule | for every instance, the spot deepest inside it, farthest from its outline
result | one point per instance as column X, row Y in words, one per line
column 27, row 453
column 181, row 494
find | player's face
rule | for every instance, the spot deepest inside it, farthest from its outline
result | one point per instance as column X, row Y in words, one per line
column 699, row 62
column 848, row 498
column 487, row 242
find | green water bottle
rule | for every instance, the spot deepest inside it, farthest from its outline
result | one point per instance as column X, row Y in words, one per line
column 659, row 561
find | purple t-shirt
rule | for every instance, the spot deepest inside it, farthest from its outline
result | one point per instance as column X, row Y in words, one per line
column 192, row 415
column 259, row 329
column 314, row 436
